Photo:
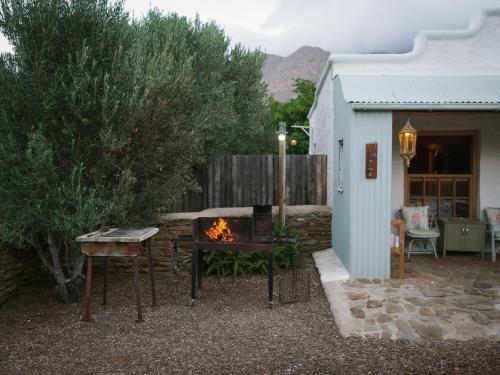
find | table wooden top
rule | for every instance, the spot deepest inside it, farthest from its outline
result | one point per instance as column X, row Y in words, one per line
column 119, row 235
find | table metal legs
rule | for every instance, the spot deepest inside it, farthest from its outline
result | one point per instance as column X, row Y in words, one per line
column 118, row 248
column 150, row 261
column 88, row 290
column 270, row 263
column 137, row 289
column 105, row 287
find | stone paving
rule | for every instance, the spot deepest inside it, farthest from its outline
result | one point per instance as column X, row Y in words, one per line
column 453, row 298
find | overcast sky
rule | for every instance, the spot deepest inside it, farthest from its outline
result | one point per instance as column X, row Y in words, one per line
column 340, row 26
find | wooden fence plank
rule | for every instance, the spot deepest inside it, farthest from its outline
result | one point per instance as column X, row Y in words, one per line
column 244, row 180
column 270, row 180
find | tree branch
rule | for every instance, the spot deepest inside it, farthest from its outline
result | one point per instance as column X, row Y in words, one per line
column 78, row 266
column 44, row 260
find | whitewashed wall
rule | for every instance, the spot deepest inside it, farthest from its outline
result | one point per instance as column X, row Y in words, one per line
column 321, row 126
column 488, row 127
column 475, row 50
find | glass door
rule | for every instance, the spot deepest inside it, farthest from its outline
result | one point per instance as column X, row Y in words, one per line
column 441, row 175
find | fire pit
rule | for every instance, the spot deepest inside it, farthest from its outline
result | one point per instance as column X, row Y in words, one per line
column 236, row 234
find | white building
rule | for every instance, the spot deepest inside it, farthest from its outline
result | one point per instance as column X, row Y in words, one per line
column 449, row 88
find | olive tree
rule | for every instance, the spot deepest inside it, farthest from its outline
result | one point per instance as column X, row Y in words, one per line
column 103, row 117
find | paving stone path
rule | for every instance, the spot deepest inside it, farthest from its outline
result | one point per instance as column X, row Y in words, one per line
column 453, row 298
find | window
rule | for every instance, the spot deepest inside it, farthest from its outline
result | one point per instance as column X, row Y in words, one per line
column 446, row 196
column 441, row 175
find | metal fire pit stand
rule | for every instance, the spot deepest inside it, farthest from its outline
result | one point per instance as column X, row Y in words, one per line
column 117, row 243
column 246, row 234
column 197, row 264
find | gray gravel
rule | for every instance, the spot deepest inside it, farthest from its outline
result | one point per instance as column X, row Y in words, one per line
column 229, row 331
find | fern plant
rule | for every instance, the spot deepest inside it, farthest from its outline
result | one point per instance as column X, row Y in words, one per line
column 235, row 263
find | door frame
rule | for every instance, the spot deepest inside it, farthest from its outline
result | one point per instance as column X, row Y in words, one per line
column 473, row 213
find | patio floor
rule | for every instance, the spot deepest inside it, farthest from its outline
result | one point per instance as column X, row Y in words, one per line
column 229, row 331
column 453, row 298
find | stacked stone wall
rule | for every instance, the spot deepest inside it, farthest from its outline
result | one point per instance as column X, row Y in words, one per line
column 311, row 225
column 17, row 268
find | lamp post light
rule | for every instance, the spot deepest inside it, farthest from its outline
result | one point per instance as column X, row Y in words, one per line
column 407, row 142
column 282, row 171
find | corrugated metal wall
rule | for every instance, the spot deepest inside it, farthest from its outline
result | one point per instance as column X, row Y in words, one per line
column 370, row 203
column 362, row 213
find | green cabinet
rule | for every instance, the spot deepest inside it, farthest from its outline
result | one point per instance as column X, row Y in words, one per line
column 459, row 234
column 454, row 234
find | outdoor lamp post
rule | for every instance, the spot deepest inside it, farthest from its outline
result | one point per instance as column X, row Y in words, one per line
column 282, row 171
column 407, row 142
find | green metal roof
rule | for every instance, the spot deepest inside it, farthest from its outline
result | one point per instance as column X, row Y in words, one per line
column 421, row 89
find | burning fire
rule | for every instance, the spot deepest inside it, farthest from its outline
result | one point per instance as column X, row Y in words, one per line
column 220, row 231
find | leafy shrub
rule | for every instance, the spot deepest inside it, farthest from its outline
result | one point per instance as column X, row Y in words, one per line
column 103, row 117
column 226, row 263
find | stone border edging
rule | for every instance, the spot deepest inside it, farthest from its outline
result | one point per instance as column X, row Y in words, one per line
column 332, row 274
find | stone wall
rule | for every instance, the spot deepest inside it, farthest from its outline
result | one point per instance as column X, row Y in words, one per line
column 17, row 267
column 310, row 224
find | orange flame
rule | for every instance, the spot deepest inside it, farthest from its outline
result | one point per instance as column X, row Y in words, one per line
column 220, row 231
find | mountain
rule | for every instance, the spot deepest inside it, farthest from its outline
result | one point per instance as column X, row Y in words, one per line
column 279, row 72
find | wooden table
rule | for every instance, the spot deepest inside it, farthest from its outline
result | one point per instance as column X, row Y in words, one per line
column 117, row 242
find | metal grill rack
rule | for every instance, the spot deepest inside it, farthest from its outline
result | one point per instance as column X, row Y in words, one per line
column 294, row 286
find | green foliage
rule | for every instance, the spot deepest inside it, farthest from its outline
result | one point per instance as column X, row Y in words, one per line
column 226, row 263
column 226, row 104
column 294, row 112
column 102, row 118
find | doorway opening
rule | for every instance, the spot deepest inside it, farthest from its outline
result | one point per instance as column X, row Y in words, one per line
column 442, row 174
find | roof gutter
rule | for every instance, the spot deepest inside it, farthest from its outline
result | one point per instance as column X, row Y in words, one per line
column 425, row 107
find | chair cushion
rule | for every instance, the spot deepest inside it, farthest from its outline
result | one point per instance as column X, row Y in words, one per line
column 416, row 217
column 422, row 233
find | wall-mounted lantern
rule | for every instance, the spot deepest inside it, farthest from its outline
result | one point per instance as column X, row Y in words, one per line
column 407, row 142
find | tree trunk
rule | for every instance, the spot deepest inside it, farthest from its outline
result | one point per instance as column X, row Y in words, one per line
column 68, row 289
column 61, row 288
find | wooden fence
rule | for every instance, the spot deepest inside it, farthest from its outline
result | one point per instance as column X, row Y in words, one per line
column 245, row 180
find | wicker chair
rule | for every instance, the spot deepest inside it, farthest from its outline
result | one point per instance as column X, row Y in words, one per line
column 493, row 218
column 426, row 235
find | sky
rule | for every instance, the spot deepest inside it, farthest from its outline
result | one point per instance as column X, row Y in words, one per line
column 339, row 26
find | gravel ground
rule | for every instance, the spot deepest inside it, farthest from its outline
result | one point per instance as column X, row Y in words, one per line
column 229, row 331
